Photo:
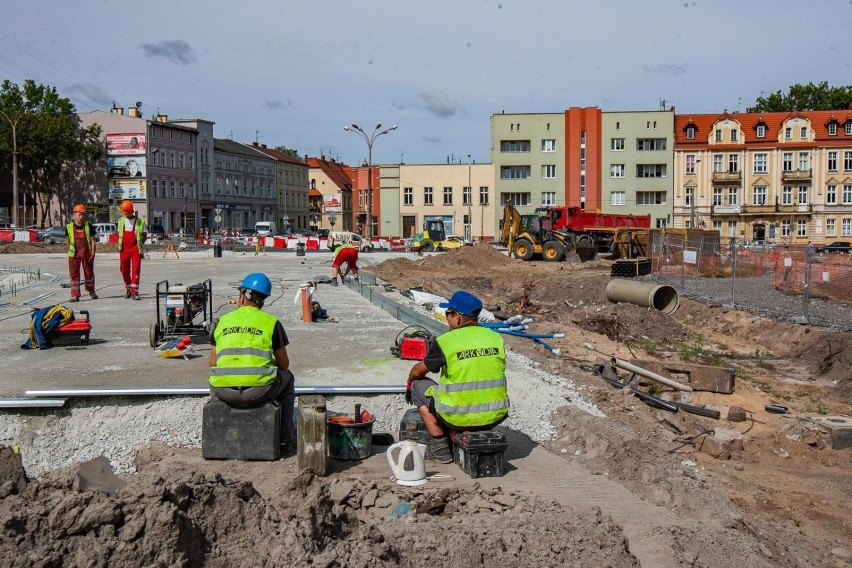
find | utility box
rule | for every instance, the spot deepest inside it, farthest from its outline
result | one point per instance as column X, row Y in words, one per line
column 480, row 453
column 412, row 428
column 311, row 436
column 231, row 433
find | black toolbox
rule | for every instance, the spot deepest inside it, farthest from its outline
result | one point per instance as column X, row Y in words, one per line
column 480, row 453
column 231, row 433
column 412, row 428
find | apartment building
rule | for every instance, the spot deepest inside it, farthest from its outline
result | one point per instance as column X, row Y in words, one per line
column 785, row 176
column 292, row 189
column 245, row 189
column 330, row 194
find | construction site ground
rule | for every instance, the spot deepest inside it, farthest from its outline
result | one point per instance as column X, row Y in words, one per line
column 593, row 475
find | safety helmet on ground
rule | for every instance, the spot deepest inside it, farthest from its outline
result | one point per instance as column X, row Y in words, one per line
column 257, row 282
column 79, row 208
column 127, row 206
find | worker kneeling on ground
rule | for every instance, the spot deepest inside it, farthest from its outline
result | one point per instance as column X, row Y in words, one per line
column 348, row 254
column 249, row 364
column 471, row 391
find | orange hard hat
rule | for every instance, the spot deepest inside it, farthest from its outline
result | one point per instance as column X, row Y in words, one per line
column 127, row 206
column 79, row 208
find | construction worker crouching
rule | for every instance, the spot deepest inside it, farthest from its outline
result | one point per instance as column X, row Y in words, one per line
column 471, row 392
column 81, row 253
column 344, row 253
column 249, row 364
column 131, row 237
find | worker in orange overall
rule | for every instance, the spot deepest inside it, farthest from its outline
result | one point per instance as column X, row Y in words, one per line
column 81, row 253
column 347, row 254
column 131, row 237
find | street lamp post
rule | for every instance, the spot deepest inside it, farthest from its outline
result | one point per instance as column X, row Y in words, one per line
column 14, row 125
column 469, row 228
column 369, row 139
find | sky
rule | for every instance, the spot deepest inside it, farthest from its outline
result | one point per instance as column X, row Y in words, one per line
column 292, row 74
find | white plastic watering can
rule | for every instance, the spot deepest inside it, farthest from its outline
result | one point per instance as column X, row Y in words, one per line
column 409, row 468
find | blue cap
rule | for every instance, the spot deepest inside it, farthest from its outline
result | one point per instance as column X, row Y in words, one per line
column 464, row 303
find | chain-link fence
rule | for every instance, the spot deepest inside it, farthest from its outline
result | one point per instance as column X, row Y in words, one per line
column 784, row 282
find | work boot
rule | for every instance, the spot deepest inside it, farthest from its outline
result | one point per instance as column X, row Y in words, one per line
column 135, row 297
column 93, row 296
column 439, row 450
column 127, row 295
column 74, row 299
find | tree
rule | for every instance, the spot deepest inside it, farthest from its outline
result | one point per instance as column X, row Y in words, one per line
column 806, row 97
column 288, row 151
column 49, row 136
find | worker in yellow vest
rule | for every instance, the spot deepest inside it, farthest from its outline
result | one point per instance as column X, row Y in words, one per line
column 471, row 392
column 131, row 237
column 249, row 363
column 81, row 253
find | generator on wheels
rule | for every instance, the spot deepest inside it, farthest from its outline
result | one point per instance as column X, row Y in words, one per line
column 179, row 308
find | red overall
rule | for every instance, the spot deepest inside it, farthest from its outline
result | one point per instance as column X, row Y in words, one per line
column 130, row 259
column 82, row 257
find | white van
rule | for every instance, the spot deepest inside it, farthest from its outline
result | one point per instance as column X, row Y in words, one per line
column 344, row 237
column 105, row 228
column 265, row 228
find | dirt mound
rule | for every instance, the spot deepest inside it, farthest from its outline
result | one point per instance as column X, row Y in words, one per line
column 192, row 519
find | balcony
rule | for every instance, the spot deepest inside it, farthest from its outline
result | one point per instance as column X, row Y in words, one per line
column 727, row 177
column 779, row 209
column 797, row 175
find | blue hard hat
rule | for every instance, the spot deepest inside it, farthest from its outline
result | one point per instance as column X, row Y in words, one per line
column 257, row 282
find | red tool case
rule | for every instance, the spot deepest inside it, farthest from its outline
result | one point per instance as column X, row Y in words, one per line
column 75, row 332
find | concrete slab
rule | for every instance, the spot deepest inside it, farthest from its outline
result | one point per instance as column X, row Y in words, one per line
column 840, row 428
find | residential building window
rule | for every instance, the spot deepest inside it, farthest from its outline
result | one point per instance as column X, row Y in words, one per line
column 801, row 228
column 448, row 196
column 690, row 164
column 832, row 161
column 848, row 129
column 181, row 190
column 650, row 198
column 651, row 170
column 172, row 188
column 717, row 226
column 483, row 195
column 733, row 195
column 154, row 188
column 514, row 172
column 616, row 144
column 687, row 196
column 785, row 228
column 171, row 134
column 847, row 161
column 427, row 196
column 548, row 127
column 548, row 145
column 218, row 185
column 517, row 199
column 182, row 161
column 616, row 198
column 787, row 195
column 761, row 131
column 171, row 157
column 717, row 196
column 408, row 196
column 548, row 171
column 718, row 161
column 759, row 195
column 832, row 129
column 847, row 194
column 788, row 133
column 651, row 144
column 734, row 135
column 718, row 135
column 733, row 163
column 191, row 190
column 830, row 228
column 180, row 136
column 616, row 170
column 191, row 161
column 803, row 133
column 831, row 194
column 803, row 195
column 732, row 229
column 661, row 222
column 846, row 228
column 760, row 163
column 787, row 162
column 804, row 161
column 466, row 195
column 548, row 198
column 690, row 133
column 515, row 146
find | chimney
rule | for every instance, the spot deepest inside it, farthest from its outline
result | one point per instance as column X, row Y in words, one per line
column 263, row 146
column 133, row 111
column 164, row 118
column 254, row 144
column 118, row 110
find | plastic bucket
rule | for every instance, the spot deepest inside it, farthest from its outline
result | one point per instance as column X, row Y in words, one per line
column 217, row 250
column 348, row 440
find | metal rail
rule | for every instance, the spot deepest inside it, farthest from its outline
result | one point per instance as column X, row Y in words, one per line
column 205, row 390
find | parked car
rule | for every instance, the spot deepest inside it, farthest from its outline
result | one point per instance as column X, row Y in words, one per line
column 157, row 231
column 105, row 228
column 322, row 233
column 52, row 235
column 837, row 246
column 762, row 245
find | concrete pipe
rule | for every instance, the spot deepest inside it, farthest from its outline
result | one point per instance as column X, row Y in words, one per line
column 646, row 294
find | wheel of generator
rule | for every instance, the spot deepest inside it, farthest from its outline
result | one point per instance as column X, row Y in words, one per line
column 154, row 335
column 523, row 249
column 427, row 247
column 553, row 251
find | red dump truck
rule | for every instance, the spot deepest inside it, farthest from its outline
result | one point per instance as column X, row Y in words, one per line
column 592, row 229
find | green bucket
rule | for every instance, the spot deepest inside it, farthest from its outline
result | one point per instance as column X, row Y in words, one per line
column 347, row 439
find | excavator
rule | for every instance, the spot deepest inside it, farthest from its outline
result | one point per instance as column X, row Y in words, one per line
column 526, row 236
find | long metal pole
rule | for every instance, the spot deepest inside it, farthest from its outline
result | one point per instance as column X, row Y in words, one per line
column 370, row 188
column 469, row 235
